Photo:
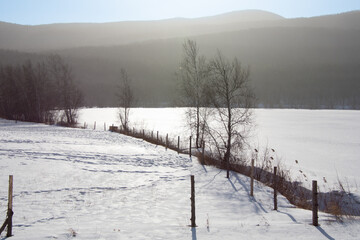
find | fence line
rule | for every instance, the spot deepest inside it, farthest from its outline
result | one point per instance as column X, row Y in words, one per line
column 296, row 194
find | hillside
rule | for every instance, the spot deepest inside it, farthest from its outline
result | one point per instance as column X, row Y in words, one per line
column 305, row 63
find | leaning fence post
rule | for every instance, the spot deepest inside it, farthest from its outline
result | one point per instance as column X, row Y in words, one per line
column 315, row 203
column 10, row 204
column 252, row 178
column 178, row 144
column 190, row 147
column 192, row 202
column 275, row 188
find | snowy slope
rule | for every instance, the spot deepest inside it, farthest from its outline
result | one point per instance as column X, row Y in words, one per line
column 103, row 185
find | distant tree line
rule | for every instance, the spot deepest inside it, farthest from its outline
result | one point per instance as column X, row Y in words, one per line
column 43, row 91
column 296, row 81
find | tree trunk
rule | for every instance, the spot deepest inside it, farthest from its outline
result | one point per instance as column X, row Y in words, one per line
column 197, row 127
column 228, row 146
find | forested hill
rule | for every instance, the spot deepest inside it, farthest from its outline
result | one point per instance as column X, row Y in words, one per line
column 61, row 36
column 307, row 62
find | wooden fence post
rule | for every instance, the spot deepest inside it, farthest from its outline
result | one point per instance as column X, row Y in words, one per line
column 315, row 203
column 252, row 178
column 190, row 147
column 152, row 134
column 84, row 125
column 193, row 217
column 104, row 126
column 143, row 133
column 94, row 125
column 10, row 204
column 157, row 138
column 167, row 141
column 178, row 144
column 275, row 188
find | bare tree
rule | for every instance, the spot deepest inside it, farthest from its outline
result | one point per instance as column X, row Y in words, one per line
column 233, row 99
column 70, row 97
column 126, row 99
column 43, row 91
column 193, row 75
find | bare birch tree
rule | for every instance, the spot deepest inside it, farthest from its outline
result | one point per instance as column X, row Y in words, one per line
column 193, row 75
column 233, row 100
column 126, row 99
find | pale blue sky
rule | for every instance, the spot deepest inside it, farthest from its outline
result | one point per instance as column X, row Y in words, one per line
column 33, row 12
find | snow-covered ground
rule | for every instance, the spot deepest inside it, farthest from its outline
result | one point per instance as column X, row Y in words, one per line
column 326, row 143
column 103, row 185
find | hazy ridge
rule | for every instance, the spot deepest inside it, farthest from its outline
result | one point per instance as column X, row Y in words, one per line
column 60, row 36
column 305, row 62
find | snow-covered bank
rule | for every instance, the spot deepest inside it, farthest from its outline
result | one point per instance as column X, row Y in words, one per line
column 103, row 185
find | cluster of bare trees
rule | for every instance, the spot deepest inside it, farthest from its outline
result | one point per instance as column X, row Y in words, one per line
column 39, row 92
column 220, row 100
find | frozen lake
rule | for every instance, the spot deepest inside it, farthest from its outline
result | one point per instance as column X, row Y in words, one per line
column 326, row 143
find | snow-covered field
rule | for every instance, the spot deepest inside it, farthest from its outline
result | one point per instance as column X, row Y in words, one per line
column 326, row 143
column 103, row 185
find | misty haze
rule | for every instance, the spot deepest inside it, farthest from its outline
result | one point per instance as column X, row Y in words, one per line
column 209, row 124
column 295, row 63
